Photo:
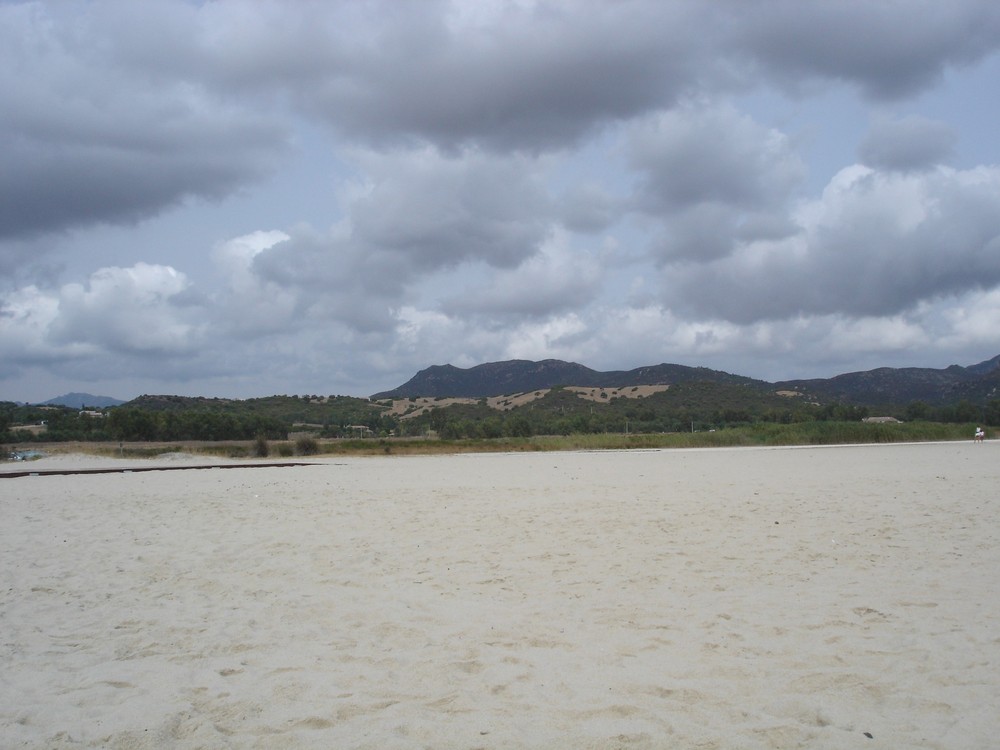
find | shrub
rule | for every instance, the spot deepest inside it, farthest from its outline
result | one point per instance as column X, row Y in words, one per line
column 306, row 446
column 260, row 448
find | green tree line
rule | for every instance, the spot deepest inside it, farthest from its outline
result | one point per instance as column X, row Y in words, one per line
column 645, row 416
column 560, row 412
column 125, row 423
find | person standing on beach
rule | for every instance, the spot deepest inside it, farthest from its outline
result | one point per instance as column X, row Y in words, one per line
column 979, row 435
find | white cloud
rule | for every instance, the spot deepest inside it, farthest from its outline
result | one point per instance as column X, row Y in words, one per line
column 557, row 337
column 137, row 310
column 556, row 280
column 25, row 318
column 875, row 244
column 252, row 305
column 968, row 322
column 142, row 311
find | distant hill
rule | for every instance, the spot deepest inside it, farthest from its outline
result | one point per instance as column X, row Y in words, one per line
column 984, row 368
column 80, row 400
column 520, row 376
column 886, row 385
column 977, row 383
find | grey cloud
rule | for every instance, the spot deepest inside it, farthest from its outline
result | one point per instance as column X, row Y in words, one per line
column 706, row 171
column 474, row 116
column 540, row 78
column 85, row 140
column 47, row 187
column 910, row 143
column 332, row 278
column 29, row 261
column 436, row 211
column 589, row 208
column 765, row 226
column 714, row 230
column 113, row 112
column 698, row 232
column 890, row 50
column 711, row 154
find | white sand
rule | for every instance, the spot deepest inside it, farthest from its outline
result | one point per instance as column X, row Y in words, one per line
column 784, row 598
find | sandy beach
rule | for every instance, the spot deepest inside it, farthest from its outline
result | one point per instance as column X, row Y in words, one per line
column 841, row 597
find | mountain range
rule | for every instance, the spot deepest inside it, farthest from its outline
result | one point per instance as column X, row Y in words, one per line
column 885, row 385
column 977, row 383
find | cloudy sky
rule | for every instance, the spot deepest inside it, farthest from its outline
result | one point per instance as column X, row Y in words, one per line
column 242, row 198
